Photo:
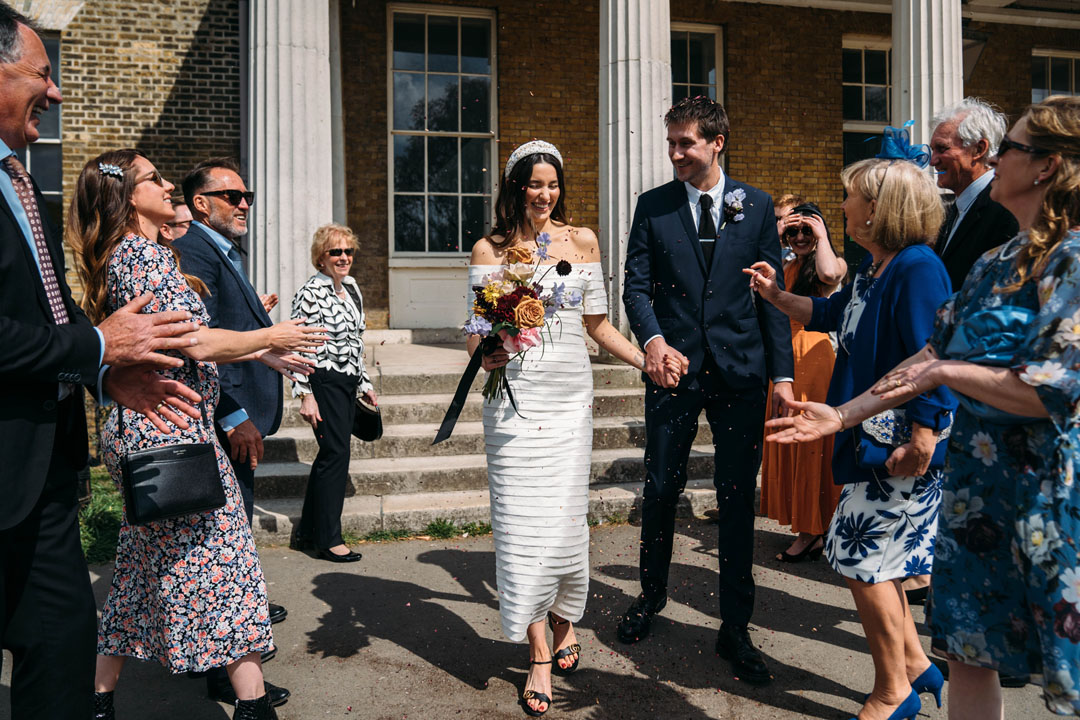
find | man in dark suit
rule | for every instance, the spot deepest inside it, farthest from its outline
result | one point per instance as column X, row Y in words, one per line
column 685, row 295
column 966, row 136
column 49, row 351
column 250, row 405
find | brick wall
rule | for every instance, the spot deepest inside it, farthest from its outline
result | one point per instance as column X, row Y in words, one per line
column 547, row 56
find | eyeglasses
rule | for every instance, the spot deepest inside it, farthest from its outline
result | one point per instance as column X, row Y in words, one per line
column 154, row 177
column 233, row 197
column 336, row 252
column 1007, row 144
column 804, row 229
column 182, row 223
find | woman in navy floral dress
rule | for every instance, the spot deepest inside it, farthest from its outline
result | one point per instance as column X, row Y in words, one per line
column 1005, row 595
column 187, row 591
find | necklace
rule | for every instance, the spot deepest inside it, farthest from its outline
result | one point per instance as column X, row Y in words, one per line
column 872, row 270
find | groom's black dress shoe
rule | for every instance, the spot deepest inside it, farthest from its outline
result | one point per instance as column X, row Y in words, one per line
column 735, row 647
column 637, row 619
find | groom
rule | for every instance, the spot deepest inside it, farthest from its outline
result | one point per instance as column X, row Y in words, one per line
column 685, row 294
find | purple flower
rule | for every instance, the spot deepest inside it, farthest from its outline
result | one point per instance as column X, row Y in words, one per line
column 477, row 325
column 573, row 299
column 543, row 241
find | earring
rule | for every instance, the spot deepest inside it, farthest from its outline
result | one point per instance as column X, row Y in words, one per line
column 1036, row 182
column 867, row 222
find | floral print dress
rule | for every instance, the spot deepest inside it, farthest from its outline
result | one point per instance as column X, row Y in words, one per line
column 1006, row 583
column 188, row 591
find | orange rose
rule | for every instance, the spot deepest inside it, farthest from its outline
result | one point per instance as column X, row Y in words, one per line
column 529, row 313
column 518, row 254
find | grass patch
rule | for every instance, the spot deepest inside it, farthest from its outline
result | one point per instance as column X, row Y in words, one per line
column 441, row 529
column 99, row 521
column 385, row 535
column 474, row 529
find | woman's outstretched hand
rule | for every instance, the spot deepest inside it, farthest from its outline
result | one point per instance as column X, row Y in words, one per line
column 295, row 336
column 814, row 421
column 287, row 363
column 763, row 280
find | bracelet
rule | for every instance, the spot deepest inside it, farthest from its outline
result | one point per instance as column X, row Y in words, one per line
column 841, row 416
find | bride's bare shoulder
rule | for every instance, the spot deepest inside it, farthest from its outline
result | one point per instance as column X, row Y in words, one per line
column 586, row 246
column 487, row 251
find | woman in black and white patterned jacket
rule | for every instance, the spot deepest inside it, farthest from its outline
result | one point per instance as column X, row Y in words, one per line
column 331, row 298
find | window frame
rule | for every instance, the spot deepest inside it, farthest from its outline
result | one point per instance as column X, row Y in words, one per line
column 1072, row 55
column 863, row 43
column 718, row 32
column 428, row 258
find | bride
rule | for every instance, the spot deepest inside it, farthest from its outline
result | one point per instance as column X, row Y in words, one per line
column 539, row 456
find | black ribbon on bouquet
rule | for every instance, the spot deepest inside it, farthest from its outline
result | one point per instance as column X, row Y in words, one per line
column 487, row 346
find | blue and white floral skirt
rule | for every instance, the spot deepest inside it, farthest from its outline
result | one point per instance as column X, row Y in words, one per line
column 885, row 528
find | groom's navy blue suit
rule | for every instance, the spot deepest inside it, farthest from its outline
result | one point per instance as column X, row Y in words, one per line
column 734, row 343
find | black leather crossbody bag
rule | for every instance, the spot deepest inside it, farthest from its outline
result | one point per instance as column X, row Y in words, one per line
column 171, row 481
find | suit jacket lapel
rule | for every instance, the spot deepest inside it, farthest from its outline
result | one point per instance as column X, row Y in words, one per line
column 722, row 229
column 688, row 225
column 245, row 286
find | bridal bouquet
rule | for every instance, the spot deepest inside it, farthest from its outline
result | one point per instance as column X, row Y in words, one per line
column 511, row 308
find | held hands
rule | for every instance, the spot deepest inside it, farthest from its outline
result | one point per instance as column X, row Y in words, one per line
column 309, row 410
column 763, row 280
column 245, row 444
column 269, row 302
column 133, row 337
column 816, row 421
column 664, row 365
column 140, row 388
column 294, row 336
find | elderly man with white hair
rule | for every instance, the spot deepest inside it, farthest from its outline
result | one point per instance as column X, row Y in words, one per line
column 966, row 135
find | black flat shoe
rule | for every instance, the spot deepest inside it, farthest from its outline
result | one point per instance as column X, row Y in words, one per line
column 637, row 620
column 103, row 706
column 811, row 552
column 225, row 694
column 533, row 695
column 574, row 649
column 334, row 557
column 746, row 660
column 277, row 613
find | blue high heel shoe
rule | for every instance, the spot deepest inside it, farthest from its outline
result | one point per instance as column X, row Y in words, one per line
column 909, row 709
column 931, row 681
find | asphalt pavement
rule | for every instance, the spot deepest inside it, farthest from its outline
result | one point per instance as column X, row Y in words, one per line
column 412, row 631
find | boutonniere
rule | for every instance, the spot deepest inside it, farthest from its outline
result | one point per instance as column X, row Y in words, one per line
column 733, row 207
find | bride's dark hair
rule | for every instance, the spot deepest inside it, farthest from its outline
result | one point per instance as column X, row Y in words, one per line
column 510, row 217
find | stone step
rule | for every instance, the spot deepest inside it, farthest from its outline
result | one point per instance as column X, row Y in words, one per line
column 392, row 379
column 428, row 408
column 400, row 441
column 399, row 476
column 275, row 518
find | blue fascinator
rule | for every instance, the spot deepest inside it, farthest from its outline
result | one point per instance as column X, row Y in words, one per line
column 896, row 145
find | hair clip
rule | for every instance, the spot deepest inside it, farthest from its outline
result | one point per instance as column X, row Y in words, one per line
column 109, row 169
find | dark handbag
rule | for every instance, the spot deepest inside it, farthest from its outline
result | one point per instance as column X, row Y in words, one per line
column 367, row 420
column 878, row 436
column 171, row 481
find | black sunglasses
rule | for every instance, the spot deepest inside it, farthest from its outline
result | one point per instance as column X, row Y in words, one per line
column 1007, row 144
column 233, row 197
column 336, row 252
column 154, row 177
column 804, row 229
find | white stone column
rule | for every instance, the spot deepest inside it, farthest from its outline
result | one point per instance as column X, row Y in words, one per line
column 928, row 61
column 635, row 92
column 290, row 147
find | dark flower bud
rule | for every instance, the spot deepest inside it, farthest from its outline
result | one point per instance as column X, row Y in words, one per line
column 563, row 268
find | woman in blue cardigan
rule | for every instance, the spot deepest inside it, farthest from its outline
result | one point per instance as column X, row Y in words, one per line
column 890, row 466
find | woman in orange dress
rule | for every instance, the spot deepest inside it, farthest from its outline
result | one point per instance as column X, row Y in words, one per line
column 796, row 480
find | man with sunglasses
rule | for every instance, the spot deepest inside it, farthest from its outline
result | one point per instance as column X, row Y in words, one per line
column 966, row 136
column 251, row 393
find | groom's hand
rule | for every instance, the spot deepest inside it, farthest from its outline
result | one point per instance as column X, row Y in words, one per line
column 655, row 352
column 781, row 396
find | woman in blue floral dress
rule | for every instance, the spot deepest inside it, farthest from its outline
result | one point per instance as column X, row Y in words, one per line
column 188, row 591
column 1005, row 595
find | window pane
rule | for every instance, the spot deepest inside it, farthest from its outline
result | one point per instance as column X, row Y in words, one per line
column 442, row 44
column 1040, row 87
column 702, row 58
column 408, row 42
column 442, row 223
column 475, row 42
column 408, row 101
column 703, row 90
column 475, row 215
column 852, row 102
column 45, row 165
column 442, row 165
column 408, row 223
column 877, row 104
column 54, row 210
column 49, row 123
column 442, row 102
column 409, row 163
column 852, row 66
column 474, row 165
column 679, row 71
column 475, row 106
column 877, row 67
column 1059, row 75
column 678, row 92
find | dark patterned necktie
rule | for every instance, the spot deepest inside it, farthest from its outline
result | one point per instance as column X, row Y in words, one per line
column 946, row 228
column 706, row 228
column 24, row 188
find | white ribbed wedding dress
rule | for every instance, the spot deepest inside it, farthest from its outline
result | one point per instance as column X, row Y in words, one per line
column 539, row 460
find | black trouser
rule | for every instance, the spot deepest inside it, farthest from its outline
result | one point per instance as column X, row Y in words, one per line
column 320, row 519
column 736, row 417
column 245, row 476
column 47, row 614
